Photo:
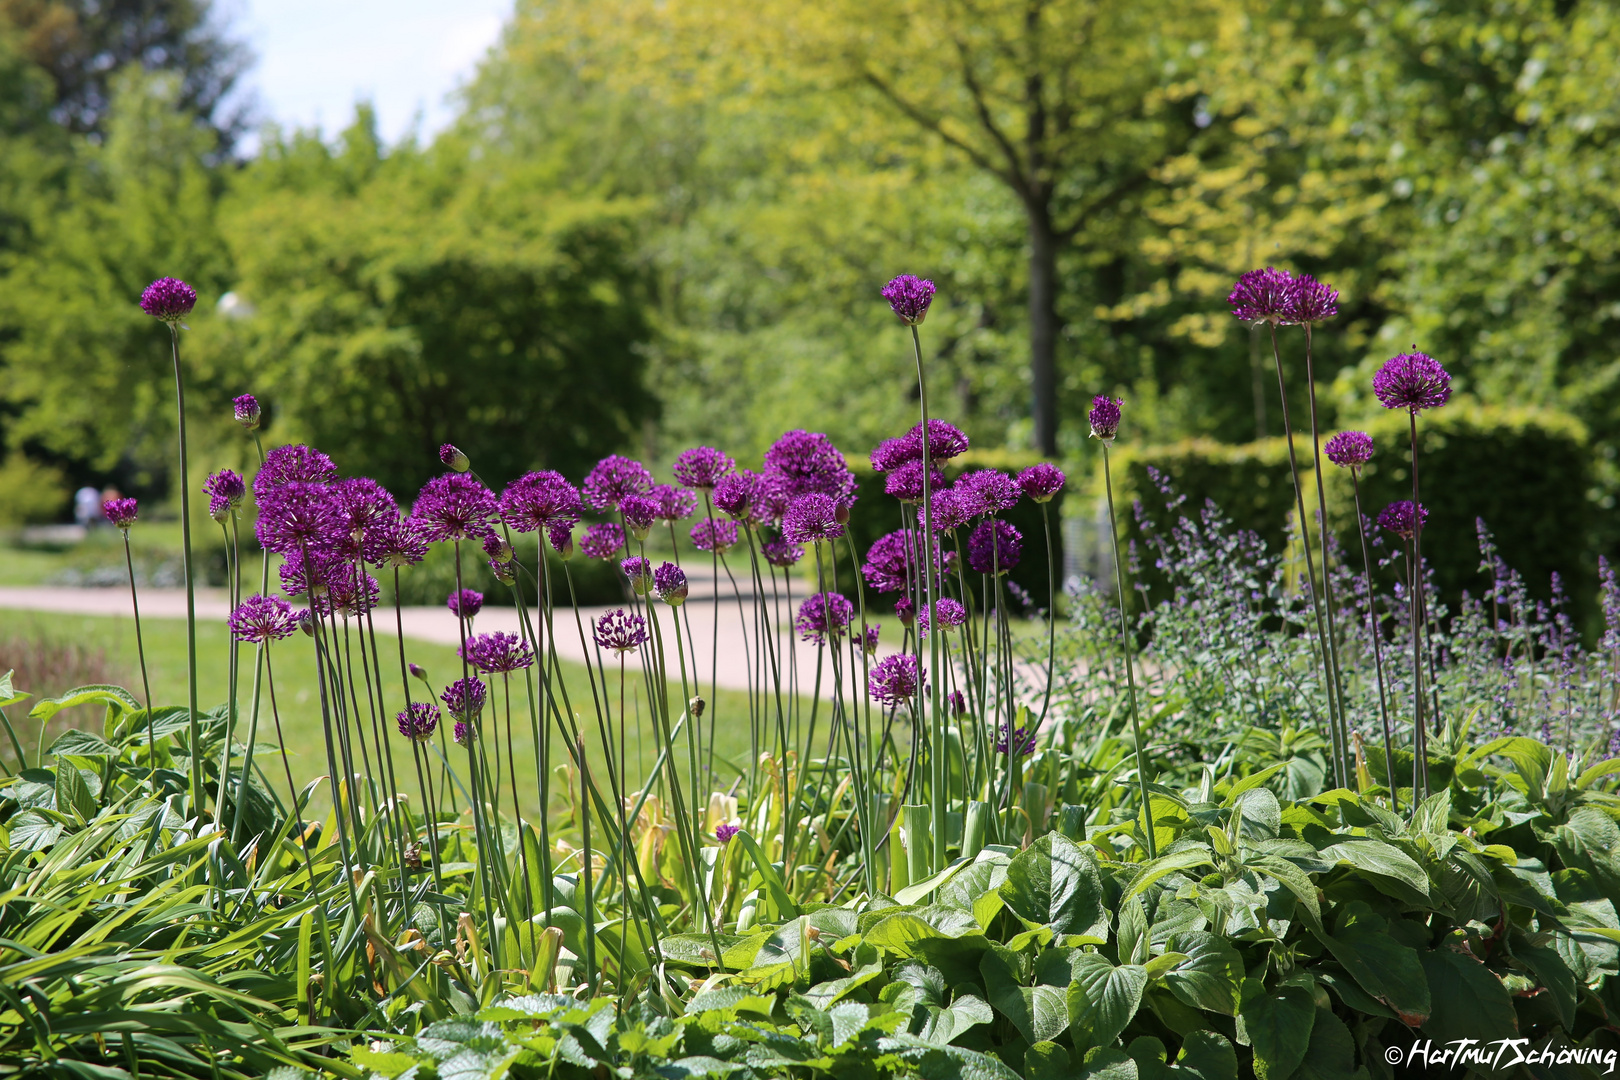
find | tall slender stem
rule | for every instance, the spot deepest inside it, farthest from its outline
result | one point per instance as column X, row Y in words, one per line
column 1420, row 741
column 1130, row 672
column 199, row 794
column 931, row 576
column 1335, row 680
column 140, row 650
column 1378, row 647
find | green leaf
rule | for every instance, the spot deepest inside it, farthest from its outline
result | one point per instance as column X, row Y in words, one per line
column 974, row 881
column 1391, row 870
column 1531, row 759
column 385, row 1064
column 1108, row 1063
column 1262, row 814
column 72, row 793
column 1331, row 1054
column 1252, row 781
column 1212, row 975
column 1185, row 859
column 1469, row 1001
column 945, row 1025
column 1038, row 1012
column 767, row 872
column 32, row 831
column 82, row 744
column 1386, row 969
column 1551, row 971
column 1134, row 933
column 1582, row 782
column 848, row 1020
column 1204, row 1055
column 83, row 695
column 9, row 696
column 1047, row 1061
column 903, row 931
column 945, row 1062
column 824, row 995
column 1102, row 999
column 1055, row 883
column 1278, row 1025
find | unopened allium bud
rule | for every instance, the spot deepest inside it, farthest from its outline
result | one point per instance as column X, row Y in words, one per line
column 909, row 297
column 417, row 672
column 246, row 409
column 496, row 547
column 561, row 539
column 639, row 572
column 669, row 581
column 453, row 458
column 695, row 707
column 306, row 622
column 502, row 571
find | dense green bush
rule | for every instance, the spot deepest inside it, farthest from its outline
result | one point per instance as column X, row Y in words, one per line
column 434, row 579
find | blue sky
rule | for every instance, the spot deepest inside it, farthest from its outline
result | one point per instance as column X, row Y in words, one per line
column 317, row 58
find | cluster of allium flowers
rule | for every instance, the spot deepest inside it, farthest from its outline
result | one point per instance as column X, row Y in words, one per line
column 724, row 832
column 246, row 410
column 464, row 733
column 994, row 547
column 811, row 518
column 120, row 513
column 620, row 631
column 986, row 491
column 454, row 507
column 719, row 535
column 805, row 461
column 539, row 500
column 396, row 543
column 909, row 297
column 464, row 700
column 1023, row 741
column 781, row 553
column 823, row 615
column 262, row 618
column 639, row 572
column 168, row 299
column 639, row 513
column 734, row 494
column 612, row 478
column 297, row 516
column 673, row 503
column 603, row 541
column 1399, row 518
column 309, row 572
column 465, row 603
column 419, row 721
column 1349, row 449
column 701, row 467
column 893, row 680
column 669, row 582
column 452, row 458
column 295, row 464
column 951, row 615
column 892, row 453
column 1105, row 417
column 945, row 441
column 1412, row 381
column 905, row 481
column 497, row 652
column 364, row 504
column 950, row 510
column 1042, row 482
column 1263, row 296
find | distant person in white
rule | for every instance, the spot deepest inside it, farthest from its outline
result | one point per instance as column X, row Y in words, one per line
column 87, row 506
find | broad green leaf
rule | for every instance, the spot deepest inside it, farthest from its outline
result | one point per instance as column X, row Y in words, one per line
column 1212, row 975
column 1278, row 1026
column 1047, row 1061
column 824, row 995
column 901, row 932
column 383, row 1064
column 72, row 793
column 973, row 881
column 1331, row 1054
column 945, row 1062
column 1531, row 759
column 1133, row 933
column 32, row 831
column 1185, row 859
column 1551, row 972
column 8, row 695
column 945, row 1025
column 848, row 1020
column 82, row 744
column 1252, row 781
column 1386, row 969
column 1469, row 1001
column 1582, row 782
column 1102, row 999
column 83, row 695
column 1391, row 870
column 1055, row 883
column 1038, row 1012
column 1204, row 1055
column 1262, row 814
column 1107, row 1063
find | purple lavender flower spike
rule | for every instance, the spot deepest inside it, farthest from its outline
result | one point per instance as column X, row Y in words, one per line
column 994, row 546
column 120, row 513
column 1263, row 296
column 454, row 507
column 619, row 631
column 781, row 553
column 418, row 722
column 1349, row 449
column 909, row 297
column 702, row 467
column 1041, row 482
column 1312, row 301
column 168, row 300
column 639, row 513
column 452, row 458
column 262, row 618
column 464, row 700
column 1105, row 417
column 724, row 833
column 1412, row 381
column 673, row 503
column 603, row 541
column 640, row 573
column 894, row 680
column 669, row 582
column 945, row 441
column 1399, row 518
column 245, row 408
column 496, row 653
column 465, row 603
column 824, row 614
column 612, row 479
column 719, row 535
column 539, row 500
column 811, row 518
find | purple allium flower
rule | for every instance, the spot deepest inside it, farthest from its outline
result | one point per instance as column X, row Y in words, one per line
column 296, row 464
column 701, row 467
column 1312, row 301
column 453, row 458
column 945, row 441
column 639, row 513
column 561, row 539
column 905, row 482
column 539, row 500
column 888, row 566
column 419, row 721
column 262, row 618
column 464, row 700
column 309, row 571
column 805, row 461
column 718, row 535
column 454, row 507
column 168, row 299
column 892, row 453
column 1263, row 296
column 986, row 491
column 603, row 541
column 1349, row 449
column 724, row 833
column 824, row 614
column 906, row 610
column 350, row 591
column 396, row 543
column 120, row 512
column 640, row 573
column 909, row 297
column 464, row 733
column 496, row 547
column 951, row 510
column 246, row 410
column 612, row 479
column 1399, row 519
column 869, row 638
column 669, row 582
column 994, row 547
column 894, row 679
column 674, row 503
column 364, row 504
column 810, row 518
column 1041, row 482
column 497, row 652
column 297, row 516
column 620, row 631
column 465, row 603
column 417, row 671
column 1412, row 381
column 1105, row 417
column 781, row 552
column 1023, row 741
column 958, row 703
column 306, row 622
column 951, row 615
column 733, row 494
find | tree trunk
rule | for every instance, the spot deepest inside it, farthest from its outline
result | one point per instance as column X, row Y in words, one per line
column 1043, row 328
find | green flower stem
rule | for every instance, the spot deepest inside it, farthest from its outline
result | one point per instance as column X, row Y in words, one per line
column 937, row 794
column 1130, row 674
column 199, row 794
column 140, row 651
column 1378, row 647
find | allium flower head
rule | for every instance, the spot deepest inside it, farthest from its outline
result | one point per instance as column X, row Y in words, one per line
column 603, row 541
column 465, row 603
column 246, row 410
column 350, row 591
column 909, row 297
column 464, row 700
column 1312, row 301
column 806, row 461
column 994, row 547
column 539, row 500
column 561, row 539
column 620, row 631
column 1412, row 381
column 810, row 518
column 262, row 618
column 894, row 679
column 669, row 582
column 309, row 572
column 497, row 652
column 951, row 615
column 1263, row 296
column 869, row 638
column 1105, row 417
column 719, row 535
column 701, row 467
column 296, row 464
column 419, row 721
column 496, row 547
column 905, row 482
column 452, row 458
column 394, row 543
column 891, row 562
column 454, row 507
column 822, row 615
column 724, row 833
column 951, row 510
column 732, row 494
column 298, row 516
column 464, row 733
column 781, row 553
column 120, row 512
column 1399, row 518
column 945, row 441
column 612, row 479
column 639, row 572
column 1041, row 482
column 1349, row 449
column 168, row 299
column 364, row 504
column 1022, row 741
column 958, row 703
column 674, row 503
column 986, row 491
column 639, row 513
column 892, row 453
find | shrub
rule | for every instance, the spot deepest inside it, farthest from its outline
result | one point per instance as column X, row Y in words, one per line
column 30, row 493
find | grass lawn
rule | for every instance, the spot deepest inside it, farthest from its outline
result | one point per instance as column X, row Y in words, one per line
column 297, row 696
